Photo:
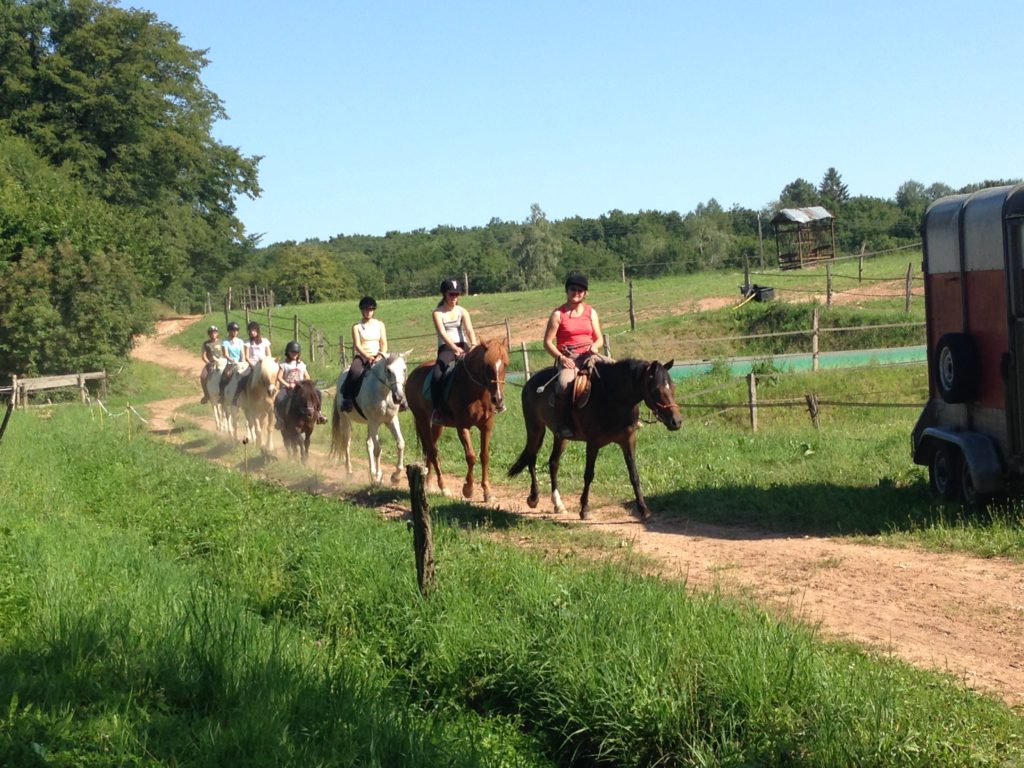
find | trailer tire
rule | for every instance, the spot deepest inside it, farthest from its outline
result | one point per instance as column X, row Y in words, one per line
column 944, row 471
column 957, row 368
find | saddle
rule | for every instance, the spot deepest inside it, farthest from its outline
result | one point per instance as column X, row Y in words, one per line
column 581, row 386
column 229, row 372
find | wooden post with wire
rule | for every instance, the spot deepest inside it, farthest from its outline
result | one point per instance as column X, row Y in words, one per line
column 812, row 409
column 860, row 262
column 632, row 314
column 910, row 278
column 526, row 359
column 815, row 323
column 422, row 536
column 508, row 334
column 752, row 395
column 828, row 285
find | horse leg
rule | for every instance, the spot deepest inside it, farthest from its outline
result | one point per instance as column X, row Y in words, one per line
column 467, row 446
column 433, row 460
column 629, row 453
column 588, row 478
column 485, row 458
column 396, row 431
column 373, row 452
column 553, row 462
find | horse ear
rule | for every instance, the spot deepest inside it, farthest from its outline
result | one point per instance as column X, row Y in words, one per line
column 407, row 353
column 669, row 363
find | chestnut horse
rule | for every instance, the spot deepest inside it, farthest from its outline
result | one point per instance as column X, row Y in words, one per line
column 610, row 415
column 475, row 392
column 300, row 412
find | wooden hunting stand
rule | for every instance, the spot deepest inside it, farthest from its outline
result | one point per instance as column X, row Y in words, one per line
column 804, row 236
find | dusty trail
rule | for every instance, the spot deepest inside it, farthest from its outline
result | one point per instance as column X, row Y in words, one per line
column 950, row 613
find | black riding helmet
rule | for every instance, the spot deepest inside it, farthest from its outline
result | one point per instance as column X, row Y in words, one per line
column 292, row 346
column 367, row 302
column 450, row 285
column 253, row 326
column 578, row 279
column 232, row 326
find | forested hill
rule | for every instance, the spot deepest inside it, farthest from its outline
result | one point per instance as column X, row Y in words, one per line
column 536, row 252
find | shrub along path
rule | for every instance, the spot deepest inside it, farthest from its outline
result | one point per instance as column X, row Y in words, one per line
column 946, row 612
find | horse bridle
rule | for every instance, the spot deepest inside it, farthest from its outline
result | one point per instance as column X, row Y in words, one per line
column 392, row 385
column 657, row 407
column 499, row 383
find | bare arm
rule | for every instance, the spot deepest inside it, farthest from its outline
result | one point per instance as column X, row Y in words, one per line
column 383, row 340
column 550, row 343
column 467, row 326
column 598, row 344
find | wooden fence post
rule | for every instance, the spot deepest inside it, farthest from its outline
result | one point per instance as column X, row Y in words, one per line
column 312, row 348
column 910, row 277
column 270, row 325
column 341, row 352
column 81, row 389
column 752, row 394
column 828, row 285
column 812, row 409
column 465, row 282
column 632, row 314
column 14, row 390
column 422, row 536
column 295, row 326
column 814, row 339
column 508, row 334
column 623, row 273
column 526, row 359
column 607, row 346
column 860, row 262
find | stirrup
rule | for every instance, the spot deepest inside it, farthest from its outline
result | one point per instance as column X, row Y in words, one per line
column 205, row 400
column 437, row 419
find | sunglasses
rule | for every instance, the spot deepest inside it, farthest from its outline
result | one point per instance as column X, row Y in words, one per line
column 575, row 289
column 449, row 295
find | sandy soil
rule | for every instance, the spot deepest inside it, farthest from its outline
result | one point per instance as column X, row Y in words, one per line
column 950, row 613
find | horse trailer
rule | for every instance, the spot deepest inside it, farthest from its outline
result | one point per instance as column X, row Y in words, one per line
column 970, row 434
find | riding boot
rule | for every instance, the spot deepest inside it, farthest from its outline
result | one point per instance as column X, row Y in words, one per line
column 346, row 404
column 320, row 418
column 563, row 418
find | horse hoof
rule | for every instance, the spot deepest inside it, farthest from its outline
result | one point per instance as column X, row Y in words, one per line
column 487, row 497
column 584, row 514
column 467, row 491
column 560, row 509
column 531, row 502
column 396, row 478
column 643, row 513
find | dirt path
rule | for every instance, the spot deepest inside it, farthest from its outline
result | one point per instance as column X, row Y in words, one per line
column 950, row 613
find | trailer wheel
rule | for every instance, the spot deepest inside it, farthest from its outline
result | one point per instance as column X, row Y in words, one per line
column 968, row 493
column 944, row 471
column 957, row 368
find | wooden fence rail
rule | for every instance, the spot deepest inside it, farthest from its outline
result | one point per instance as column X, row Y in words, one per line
column 22, row 386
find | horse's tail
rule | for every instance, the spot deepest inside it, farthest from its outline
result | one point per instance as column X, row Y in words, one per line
column 521, row 463
column 335, row 451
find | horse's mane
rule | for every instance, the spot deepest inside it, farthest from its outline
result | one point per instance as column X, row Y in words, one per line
column 621, row 371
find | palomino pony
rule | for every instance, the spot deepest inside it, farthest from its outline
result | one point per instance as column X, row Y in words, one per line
column 213, row 392
column 381, row 396
column 610, row 415
column 301, row 409
column 474, row 393
column 258, row 404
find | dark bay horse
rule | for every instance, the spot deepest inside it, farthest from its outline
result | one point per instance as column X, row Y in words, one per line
column 610, row 415
column 475, row 394
column 298, row 418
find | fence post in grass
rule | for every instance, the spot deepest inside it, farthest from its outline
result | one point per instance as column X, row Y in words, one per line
column 632, row 314
column 270, row 325
column 295, row 326
column 910, row 277
column 508, row 334
column 607, row 346
column 828, row 285
column 623, row 272
column 526, row 359
column 341, row 352
column 860, row 262
column 422, row 537
column 81, row 389
column 752, row 394
column 814, row 339
column 812, row 409
column 14, row 390
column 312, row 347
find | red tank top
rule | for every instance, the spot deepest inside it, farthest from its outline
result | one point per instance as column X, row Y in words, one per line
column 575, row 333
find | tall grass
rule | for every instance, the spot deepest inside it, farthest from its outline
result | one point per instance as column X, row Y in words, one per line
column 157, row 610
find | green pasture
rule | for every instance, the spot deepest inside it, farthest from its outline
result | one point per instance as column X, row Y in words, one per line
column 158, row 610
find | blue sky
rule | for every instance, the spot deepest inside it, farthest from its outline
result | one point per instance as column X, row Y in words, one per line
column 381, row 115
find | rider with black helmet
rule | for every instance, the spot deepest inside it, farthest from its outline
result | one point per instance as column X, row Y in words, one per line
column 211, row 353
column 292, row 371
column 455, row 337
column 572, row 337
column 369, row 344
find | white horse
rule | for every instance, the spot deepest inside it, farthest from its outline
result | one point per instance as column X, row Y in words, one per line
column 381, row 396
column 225, row 414
column 258, row 404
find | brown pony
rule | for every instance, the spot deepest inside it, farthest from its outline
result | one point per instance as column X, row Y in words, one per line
column 298, row 419
column 610, row 415
column 476, row 392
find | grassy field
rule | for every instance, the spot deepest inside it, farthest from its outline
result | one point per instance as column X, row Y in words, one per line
column 157, row 610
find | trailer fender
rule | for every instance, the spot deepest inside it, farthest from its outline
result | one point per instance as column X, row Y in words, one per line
column 978, row 450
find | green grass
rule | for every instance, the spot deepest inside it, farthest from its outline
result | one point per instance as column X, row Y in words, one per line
column 157, row 610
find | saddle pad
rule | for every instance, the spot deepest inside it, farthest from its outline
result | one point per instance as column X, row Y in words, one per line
column 446, row 383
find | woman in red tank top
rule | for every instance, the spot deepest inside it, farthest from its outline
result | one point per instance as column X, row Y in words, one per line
column 573, row 334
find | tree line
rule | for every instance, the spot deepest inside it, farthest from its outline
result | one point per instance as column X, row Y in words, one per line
column 114, row 196
column 537, row 252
